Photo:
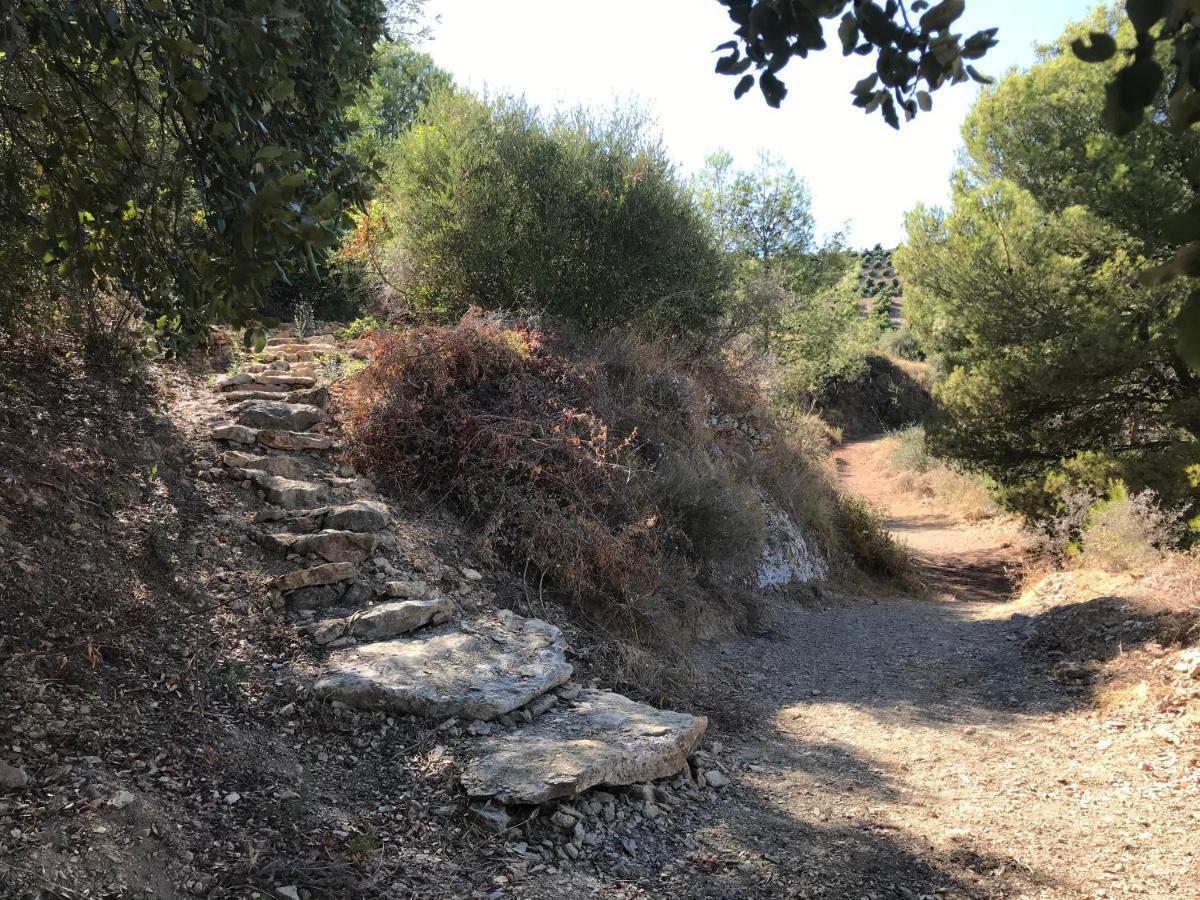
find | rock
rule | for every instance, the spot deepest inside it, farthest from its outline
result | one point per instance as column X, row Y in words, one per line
column 362, row 515
column 285, row 492
column 241, row 396
column 283, row 466
column 288, row 892
column 716, row 778
column 471, row 574
column 327, row 631
column 229, row 382
column 238, row 434
column 318, row 397
column 329, row 573
column 332, row 546
column 293, row 440
column 411, row 590
column 279, row 415
column 286, row 380
column 473, row 670
column 391, row 619
column 232, row 797
column 311, row 598
column 12, row 778
column 490, row 818
column 122, row 799
column 602, row 739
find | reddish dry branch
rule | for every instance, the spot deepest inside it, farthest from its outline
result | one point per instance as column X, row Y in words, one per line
column 489, row 414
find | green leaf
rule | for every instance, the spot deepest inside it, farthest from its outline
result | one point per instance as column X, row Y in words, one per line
column 744, row 85
column 942, row 16
column 1187, row 329
column 976, row 75
column 194, row 89
column 1102, row 47
column 924, row 101
column 848, row 32
column 283, row 89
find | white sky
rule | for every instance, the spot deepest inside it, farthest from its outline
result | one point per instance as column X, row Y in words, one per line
column 659, row 52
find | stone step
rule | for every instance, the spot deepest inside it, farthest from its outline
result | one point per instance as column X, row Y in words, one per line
column 317, row 576
column 289, row 493
column 332, row 545
column 361, row 515
column 297, row 467
column 601, row 738
column 278, row 414
column 276, row 440
column 384, row 620
column 284, row 380
column 472, row 670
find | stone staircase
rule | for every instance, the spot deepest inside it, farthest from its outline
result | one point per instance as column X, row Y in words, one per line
column 399, row 645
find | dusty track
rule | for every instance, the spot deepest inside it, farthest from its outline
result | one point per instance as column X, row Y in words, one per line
column 903, row 748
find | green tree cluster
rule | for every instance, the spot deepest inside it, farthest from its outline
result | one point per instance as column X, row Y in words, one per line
column 1057, row 357
column 490, row 203
column 174, row 157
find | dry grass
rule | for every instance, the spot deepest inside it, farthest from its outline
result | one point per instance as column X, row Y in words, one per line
column 921, row 474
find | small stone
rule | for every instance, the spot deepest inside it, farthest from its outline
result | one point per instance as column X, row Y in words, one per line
column 290, row 892
column 472, row 574
column 11, row 777
column 232, row 797
column 716, row 778
column 490, row 817
column 122, row 799
column 563, row 820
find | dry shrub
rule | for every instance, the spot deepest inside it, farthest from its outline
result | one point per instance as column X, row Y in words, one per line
column 487, row 412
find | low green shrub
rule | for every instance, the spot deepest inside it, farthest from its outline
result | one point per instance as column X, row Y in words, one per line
column 1124, row 531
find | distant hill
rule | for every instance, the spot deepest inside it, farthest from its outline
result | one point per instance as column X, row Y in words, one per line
column 880, row 283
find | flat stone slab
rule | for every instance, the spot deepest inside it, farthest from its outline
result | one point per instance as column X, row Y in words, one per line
column 299, row 468
column 286, row 492
column 285, row 380
column 292, row 440
column 278, row 414
column 330, row 573
column 387, row 620
column 473, row 670
column 237, row 434
column 601, row 739
column 332, row 546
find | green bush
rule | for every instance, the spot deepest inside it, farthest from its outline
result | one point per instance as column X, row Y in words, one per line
column 1126, row 531
column 495, row 205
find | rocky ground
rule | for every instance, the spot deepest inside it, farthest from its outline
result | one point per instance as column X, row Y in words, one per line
column 162, row 739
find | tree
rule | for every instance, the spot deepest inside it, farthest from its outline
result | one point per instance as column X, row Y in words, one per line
column 494, row 205
column 763, row 214
column 404, row 80
column 1028, row 288
column 175, row 156
column 1042, row 130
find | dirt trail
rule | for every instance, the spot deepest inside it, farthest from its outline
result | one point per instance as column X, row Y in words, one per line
column 906, row 749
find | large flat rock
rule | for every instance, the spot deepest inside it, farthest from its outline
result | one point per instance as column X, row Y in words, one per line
column 473, row 670
column 299, row 468
column 289, row 493
column 601, row 739
column 332, row 546
column 278, row 414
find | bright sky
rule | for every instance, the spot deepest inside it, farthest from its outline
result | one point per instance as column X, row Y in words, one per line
column 593, row 52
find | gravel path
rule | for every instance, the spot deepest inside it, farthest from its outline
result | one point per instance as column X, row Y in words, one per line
column 903, row 748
